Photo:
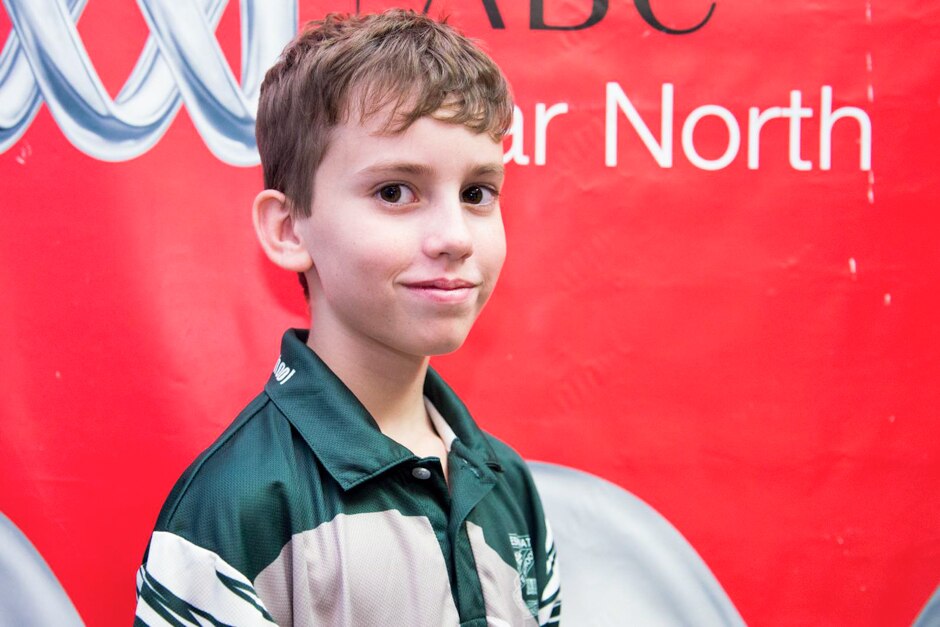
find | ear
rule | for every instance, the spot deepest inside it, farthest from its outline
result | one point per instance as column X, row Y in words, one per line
column 278, row 233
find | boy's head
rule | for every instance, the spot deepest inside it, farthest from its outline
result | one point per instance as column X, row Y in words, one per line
column 380, row 142
column 399, row 63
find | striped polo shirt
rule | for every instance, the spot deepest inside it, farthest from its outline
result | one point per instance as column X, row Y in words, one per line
column 304, row 513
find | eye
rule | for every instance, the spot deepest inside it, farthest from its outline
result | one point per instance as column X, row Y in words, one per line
column 395, row 194
column 477, row 195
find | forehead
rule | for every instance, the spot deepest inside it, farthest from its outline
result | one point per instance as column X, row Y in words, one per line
column 367, row 143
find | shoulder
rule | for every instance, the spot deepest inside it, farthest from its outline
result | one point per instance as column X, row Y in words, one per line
column 232, row 466
column 247, row 484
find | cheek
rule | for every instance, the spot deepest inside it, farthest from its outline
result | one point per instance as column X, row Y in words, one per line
column 492, row 248
column 366, row 252
column 362, row 273
column 381, row 255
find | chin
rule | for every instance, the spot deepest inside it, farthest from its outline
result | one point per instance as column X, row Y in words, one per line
column 441, row 345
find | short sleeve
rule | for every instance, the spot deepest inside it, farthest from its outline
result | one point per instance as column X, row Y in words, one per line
column 181, row 583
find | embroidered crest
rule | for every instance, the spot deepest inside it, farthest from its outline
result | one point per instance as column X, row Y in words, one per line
column 525, row 560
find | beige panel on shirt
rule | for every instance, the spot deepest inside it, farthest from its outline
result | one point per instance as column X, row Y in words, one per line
column 379, row 568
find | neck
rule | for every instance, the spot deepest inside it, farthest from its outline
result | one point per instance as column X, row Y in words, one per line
column 390, row 384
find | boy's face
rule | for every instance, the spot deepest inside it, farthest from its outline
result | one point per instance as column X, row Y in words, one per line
column 405, row 235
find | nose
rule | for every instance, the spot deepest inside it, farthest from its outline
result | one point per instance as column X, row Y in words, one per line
column 448, row 232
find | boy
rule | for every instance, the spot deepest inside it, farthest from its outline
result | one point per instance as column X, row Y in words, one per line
column 356, row 489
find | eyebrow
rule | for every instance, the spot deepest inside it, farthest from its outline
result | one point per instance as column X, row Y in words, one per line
column 489, row 168
column 420, row 169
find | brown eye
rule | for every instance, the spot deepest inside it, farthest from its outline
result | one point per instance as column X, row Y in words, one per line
column 473, row 195
column 390, row 193
column 396, row 194
column 477, row 195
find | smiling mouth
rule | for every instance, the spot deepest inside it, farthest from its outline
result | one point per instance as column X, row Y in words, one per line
column 444, row 290
column 442, row 284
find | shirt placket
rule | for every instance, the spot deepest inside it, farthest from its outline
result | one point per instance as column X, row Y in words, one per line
column 470, row 482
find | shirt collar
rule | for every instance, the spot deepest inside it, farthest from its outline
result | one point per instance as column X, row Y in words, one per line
column 340, row 430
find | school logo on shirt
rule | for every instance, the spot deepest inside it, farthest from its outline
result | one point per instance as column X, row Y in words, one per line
column 525, row 560
column 282, row 372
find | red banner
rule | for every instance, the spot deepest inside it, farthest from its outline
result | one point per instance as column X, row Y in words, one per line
column 720, row 294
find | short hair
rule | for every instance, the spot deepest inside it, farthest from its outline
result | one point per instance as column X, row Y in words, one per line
column 345, row 65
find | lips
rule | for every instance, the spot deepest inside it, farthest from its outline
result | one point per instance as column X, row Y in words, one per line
column 444, row 290
column 442, row 284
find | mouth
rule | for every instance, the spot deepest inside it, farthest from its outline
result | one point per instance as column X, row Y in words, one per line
column 443, row 290
column 442, row 284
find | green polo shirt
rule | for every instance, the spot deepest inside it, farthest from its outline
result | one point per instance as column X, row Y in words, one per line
column 304, row 513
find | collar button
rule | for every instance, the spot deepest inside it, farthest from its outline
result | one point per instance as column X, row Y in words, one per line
column 420, row 473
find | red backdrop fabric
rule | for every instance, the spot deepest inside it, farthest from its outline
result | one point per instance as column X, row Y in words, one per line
column 734, row 319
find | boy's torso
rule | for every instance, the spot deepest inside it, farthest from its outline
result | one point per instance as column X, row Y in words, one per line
column 304, row 513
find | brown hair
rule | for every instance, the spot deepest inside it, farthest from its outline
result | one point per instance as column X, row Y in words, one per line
column 354, row 64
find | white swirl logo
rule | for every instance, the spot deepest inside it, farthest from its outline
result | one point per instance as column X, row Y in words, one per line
column 44, row 60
